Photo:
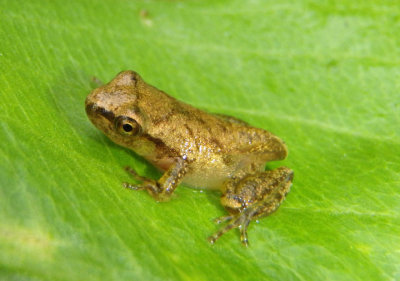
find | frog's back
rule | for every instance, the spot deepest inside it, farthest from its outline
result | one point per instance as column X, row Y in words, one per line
column 224, row 147
column 217, row 144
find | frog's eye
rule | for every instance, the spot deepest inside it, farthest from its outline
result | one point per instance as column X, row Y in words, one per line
column 127, row 126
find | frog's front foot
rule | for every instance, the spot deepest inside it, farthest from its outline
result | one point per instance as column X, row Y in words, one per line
column 150, row 185
column 240, row 220
column 162, row 189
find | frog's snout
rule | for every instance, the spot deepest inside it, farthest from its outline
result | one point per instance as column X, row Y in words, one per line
column 89, row 108
column 89, row 104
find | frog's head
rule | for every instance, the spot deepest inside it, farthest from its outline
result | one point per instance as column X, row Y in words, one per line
column 113, row 109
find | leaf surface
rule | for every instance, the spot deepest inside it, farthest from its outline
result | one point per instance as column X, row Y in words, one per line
column 322, row 75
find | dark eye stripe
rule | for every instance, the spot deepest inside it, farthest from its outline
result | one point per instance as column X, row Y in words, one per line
column 105, row 113
column 91, row 107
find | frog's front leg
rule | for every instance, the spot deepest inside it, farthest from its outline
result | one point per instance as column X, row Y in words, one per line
column 162, row 189
column 251, row 197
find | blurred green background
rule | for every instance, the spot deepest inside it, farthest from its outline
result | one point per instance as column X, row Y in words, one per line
column 322, row 75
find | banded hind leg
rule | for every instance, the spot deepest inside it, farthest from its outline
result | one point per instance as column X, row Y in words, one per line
column 252, row 197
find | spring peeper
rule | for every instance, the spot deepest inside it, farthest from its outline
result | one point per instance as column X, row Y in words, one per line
column 193, row 147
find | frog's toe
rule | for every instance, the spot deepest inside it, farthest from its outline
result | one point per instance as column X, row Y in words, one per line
column 150, row 186
column 223, row 219
column 243, row 233
column 132, row 186
column 135, row 175
column 241, row 221
column 213, row 238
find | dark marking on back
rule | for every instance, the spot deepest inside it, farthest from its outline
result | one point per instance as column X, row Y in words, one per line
column 161, row 147
column 164, row 118
column 216, row 143
column 222, row 127
column 189, row 130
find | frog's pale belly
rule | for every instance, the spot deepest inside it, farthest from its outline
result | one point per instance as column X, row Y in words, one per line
column 209, row 179
column 203, row 174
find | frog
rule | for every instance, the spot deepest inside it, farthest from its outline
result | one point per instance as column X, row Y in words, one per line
column 193, row 147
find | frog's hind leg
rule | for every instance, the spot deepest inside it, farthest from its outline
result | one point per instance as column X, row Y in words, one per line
column 253, row 197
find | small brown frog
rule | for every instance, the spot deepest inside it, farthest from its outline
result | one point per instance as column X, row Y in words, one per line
column 194, row 147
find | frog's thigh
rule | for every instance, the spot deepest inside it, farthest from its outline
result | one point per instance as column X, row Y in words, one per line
column 260, row 193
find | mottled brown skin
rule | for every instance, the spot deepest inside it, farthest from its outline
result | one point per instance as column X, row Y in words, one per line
column 194, row 147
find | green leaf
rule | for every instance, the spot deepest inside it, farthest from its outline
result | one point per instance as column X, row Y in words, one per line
column 322, row 75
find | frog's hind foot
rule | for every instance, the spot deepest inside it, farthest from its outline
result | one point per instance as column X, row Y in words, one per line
column 241, row 221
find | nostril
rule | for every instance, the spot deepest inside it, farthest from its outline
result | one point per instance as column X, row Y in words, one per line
column 90, row 108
